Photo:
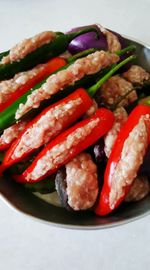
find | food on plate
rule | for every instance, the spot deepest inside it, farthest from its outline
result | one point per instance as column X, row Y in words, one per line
column 88, row 65
column 12, row 89
column 67, row 145
column 47, row 125
column 75, row 118
column 35, row 50
column 10, row 134
column 125, row 159
column 107, row 40
column 139, row 189
column 77, row 183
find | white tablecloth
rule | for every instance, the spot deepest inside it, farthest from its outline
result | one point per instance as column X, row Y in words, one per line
column 26, row 244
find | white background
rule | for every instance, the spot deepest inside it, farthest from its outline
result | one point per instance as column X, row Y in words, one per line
column 29, row 245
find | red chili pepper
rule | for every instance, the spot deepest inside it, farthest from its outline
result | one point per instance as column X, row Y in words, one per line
column 104, row 205
column 67, row 145
column 48, row 68
column 50, row 132
column 11, row 132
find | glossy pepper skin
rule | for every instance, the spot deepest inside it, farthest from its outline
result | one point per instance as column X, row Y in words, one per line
column 103, row 205
column 106, row 119
column 18, row 127
column 7, row 117
column 48, row 68
column 40, row 55
column 80, row 110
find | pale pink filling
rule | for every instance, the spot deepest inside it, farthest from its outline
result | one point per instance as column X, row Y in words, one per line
column 47, row 127
column 27, row 46
column 112, row 40
column 115, row 88
column 136, row 74
column 12, row 132
column 60, row 153
column 139, row 189
column 110, row 138
column 82, row 182
column 131, row 158
column 10, row 86
column 84, row 66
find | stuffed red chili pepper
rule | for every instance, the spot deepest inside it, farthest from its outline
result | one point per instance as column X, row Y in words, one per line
column 125, row 160
column 47, row 125
column 11, row 90
column 10, row 134
column 67, row 145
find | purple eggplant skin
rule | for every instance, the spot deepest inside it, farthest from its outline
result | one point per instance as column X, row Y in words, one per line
column 100, row 100
column 145, row 167
column 98, row 150
column 61, row 186
column 90, row 40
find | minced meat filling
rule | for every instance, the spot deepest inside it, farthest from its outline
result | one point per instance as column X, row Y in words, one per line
column 12, row 132
column 82, row 182
column 56, row 82
column 112, row 39
column 59, row 154
column 27, row 46
column 115, row 88
column 136, row 75
column 7, row 87
column 131, row 158
column 91, row 110
column 110, row 138
column 47, row 127
column 138, row 190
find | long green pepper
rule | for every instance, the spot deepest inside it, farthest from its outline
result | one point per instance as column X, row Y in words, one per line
column 7, row 117
column 40, row 55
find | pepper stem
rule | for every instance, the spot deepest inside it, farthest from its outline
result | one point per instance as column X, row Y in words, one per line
column 93, row 89
column 125, row 50
column 92, row 50
column 121, row 98
column 145, row 101
column 73, row 35
column 80, row 55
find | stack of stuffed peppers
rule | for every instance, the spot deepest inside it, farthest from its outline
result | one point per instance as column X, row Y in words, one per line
column 70, row 118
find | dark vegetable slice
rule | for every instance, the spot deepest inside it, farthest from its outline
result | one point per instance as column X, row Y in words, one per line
column 78, row 183
column 61, row 185
column 1, row 157
column 44, row 187
column 90, row 40
column 7, row 117
column 98, row 150
column 40, row 55
column 145, row 167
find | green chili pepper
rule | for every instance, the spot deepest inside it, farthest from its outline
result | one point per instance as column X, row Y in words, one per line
column 3, row 54
column 44, row 187
column 7, row 117
column 93, row 89
column 40, row 55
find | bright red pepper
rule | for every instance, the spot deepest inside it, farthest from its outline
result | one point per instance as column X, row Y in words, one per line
column 79, row 110
column 11, row 132
column 100, row 123
column 103, row 206
column 48, row 68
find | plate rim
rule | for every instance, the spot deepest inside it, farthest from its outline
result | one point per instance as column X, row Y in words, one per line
column 80, row 227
